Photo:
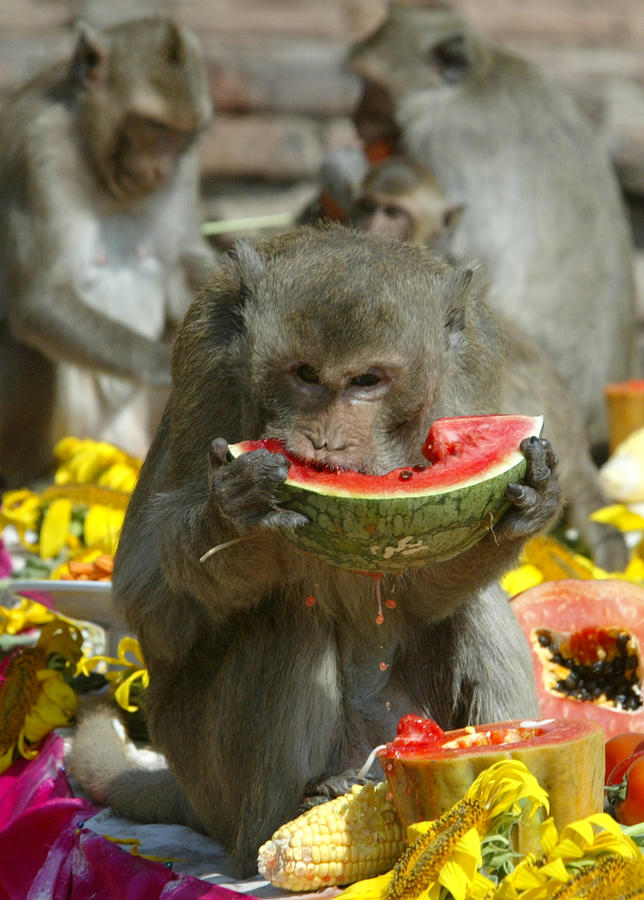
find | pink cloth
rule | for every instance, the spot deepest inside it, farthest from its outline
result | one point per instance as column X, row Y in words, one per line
column 46, row 854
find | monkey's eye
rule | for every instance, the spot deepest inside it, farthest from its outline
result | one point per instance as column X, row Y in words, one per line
column 154, row 124
column 394, row 212
column 367, row 379
column 306, row 373
column 450, row 57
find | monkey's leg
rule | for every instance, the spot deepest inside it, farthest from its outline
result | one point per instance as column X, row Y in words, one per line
column 249, row 722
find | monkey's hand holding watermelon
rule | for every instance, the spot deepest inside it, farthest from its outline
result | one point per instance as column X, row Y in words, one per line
column 536, row 501
column 245, row 489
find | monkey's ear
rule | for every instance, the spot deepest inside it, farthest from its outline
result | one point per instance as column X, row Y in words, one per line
column 173, row 44
column 451, row 58
column 463, row 287
column 250, row 268
column 89, row 53
column 452, row 216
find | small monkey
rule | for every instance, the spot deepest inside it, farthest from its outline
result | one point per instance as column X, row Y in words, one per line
column 101, row 249
column 541, row 208
column 400, row 199
column 254, row 694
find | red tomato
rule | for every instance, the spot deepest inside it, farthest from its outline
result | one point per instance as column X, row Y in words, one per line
column 616, row 776
column 631, row 810
column 620, row 747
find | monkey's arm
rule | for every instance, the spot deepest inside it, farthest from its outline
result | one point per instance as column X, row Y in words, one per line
column 231, row 510
column 52, row 318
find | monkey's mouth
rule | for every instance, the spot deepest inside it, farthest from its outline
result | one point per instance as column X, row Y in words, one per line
column 374, row 118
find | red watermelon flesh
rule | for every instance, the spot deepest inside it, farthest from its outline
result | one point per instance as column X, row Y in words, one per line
column 585, row 638
column 459, row 450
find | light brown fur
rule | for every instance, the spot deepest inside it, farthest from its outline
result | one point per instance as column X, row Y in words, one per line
column 101, row 249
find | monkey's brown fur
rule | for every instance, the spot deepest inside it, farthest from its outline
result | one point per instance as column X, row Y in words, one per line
column 346, row 347
column 541, row 205
column 101, row 249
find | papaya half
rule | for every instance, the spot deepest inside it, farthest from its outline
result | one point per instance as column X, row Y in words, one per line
column 428, row 770
column 585, row 637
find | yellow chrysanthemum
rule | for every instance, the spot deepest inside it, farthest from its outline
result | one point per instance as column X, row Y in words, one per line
column 620, row 515
column 130, row 672
column 102, row 527
column 54, row 529
column 23, row 510
column 547, row 559
column 87, row 462
column 25, row 614
column 34, row 698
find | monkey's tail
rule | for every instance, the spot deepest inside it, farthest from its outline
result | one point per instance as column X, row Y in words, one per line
column 136, row 784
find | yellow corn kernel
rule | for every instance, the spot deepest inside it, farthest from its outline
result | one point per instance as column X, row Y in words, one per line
column 355, row 836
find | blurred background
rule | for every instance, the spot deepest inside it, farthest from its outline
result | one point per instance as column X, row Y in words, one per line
column 283, row 98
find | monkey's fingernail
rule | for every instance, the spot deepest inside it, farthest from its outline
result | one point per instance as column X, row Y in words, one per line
column 515, row 491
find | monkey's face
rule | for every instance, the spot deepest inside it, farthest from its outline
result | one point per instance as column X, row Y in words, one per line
column 346, row 364
column 140, row 154
column 416, row 51
column 382, row 215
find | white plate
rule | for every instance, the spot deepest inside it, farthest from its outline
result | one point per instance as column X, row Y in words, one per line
column 86, row 600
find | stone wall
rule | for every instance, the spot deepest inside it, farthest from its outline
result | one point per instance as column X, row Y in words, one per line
column 284, row 98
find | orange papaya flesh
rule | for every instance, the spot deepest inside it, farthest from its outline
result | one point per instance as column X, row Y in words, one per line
column 586, row 642
column 566, row 756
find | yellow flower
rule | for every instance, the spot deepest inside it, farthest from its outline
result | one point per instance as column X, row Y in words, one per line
column 620, row 516
column 54, row 529
column 520, row 579
column 23, row 510
column 592, row 837
column 87, row 461
column 502, row 786
column 130, row 674
column 102, row 528
column 580, row 844
column 34, row 698
column 446, row 853
column 25, row 614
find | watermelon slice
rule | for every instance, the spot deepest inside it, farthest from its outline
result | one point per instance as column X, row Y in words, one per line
column 585, row 638
column 413, row 515
column 429, row 770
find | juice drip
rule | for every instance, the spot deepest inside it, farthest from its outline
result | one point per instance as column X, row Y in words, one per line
column 380, row 618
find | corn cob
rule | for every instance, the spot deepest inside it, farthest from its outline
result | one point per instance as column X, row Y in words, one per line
column 355, row 836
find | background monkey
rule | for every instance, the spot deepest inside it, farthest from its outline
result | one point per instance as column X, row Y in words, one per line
column 305, row 338
column 101, row 246
column 400, row 199
column 541, row 206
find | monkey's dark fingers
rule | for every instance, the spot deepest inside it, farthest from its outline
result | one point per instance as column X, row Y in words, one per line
column 246, row 488
column 327, row 787
column 218, row 452
column 284, row 518
column 541, row 459
column 536, row 501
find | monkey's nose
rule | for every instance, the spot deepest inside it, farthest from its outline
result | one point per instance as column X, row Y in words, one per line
column 329, row 444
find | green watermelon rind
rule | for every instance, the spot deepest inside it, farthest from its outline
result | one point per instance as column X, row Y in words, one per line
column 396, row 534
column 393, row 534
